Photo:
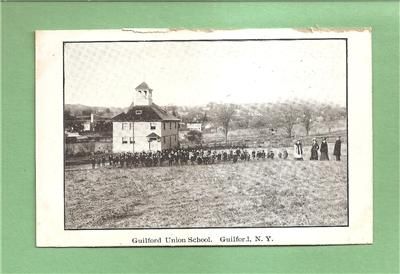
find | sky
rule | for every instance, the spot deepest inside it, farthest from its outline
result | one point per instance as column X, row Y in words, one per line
column 196, row 73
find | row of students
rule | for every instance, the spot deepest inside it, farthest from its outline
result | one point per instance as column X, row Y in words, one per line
column 181, row 157
column 207, row 156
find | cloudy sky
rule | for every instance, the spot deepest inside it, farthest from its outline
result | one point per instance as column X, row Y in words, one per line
column 195, row 73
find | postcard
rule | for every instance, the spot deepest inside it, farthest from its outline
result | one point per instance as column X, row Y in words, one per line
column 169, row 137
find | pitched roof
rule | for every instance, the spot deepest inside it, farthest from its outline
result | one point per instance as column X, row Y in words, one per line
column 143, row 85
column 152, row 113
column 153, row 135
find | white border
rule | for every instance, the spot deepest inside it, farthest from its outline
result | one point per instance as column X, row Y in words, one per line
column 49, row 144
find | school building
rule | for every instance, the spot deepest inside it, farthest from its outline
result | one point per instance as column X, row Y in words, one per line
column 145, row 126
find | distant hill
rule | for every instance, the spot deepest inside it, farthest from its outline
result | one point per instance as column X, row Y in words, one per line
column 80, row 110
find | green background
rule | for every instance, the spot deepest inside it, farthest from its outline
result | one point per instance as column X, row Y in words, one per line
column 19, row 20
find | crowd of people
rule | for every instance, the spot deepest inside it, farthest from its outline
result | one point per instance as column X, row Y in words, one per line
column 191, row 156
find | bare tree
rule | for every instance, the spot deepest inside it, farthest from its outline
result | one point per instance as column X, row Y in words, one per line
column 224, row 114
column 286, row 116
column 246, row 118
column 306, row 118
column 330, row 115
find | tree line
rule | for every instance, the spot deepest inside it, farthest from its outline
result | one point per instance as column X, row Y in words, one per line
column 226, row 117
column 284, row 115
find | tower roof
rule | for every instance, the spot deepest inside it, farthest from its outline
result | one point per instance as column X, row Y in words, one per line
column 143, row 85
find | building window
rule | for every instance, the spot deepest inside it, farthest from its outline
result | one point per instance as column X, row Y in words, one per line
column 131, row 140
column 163, row 139
column 175, row 138
column 138, row 112
column 174, row 124
column 152, row 126
column 124, row 140
column 125, row 125
column 170, row 125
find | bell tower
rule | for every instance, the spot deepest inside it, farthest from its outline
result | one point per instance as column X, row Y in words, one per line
column 143, row 95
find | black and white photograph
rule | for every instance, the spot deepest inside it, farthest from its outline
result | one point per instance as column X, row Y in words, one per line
column 206, row 132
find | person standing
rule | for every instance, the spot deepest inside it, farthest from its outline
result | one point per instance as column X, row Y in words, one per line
column 235, row 157
column 298, row 151
column 122, row 160
column 337, row 148
column 93, row 161
column 170, row 159
column 285, row 154
column 116, row 161
column 110, row 160
column 314, row 150
column 324, row 150
column 98, row 161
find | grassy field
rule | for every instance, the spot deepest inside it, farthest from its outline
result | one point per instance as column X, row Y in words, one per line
column 257, row 193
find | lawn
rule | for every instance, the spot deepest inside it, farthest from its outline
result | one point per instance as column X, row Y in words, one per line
column 254, row 194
